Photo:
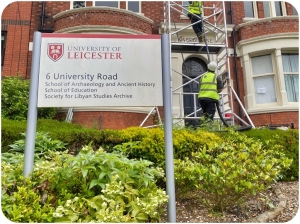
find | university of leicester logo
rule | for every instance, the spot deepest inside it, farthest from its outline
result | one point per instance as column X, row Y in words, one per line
column 55, row 51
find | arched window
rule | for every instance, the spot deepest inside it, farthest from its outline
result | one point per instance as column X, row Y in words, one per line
column 192, row 68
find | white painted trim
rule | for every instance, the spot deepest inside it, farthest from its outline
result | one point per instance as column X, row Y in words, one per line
column 93, row 8
column 30, row 46
column 99, row 29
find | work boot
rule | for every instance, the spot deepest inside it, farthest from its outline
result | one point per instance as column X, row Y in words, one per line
column 200, row 37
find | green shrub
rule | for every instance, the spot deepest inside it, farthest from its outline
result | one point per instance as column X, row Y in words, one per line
column 289, row 139
column 228, row 174
column 112, row 185
column 94, row 186
column 150, row 143
column 43, row 144
column 24, row 206
column 11, row 131
column 15, row 99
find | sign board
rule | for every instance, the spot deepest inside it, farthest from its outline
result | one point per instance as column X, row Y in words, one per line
column 81, row 70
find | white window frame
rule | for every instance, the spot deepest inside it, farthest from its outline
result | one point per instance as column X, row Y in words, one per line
column 257, row 49
column 94, row 4
column 272, row 74
column 184, row 11
column 271, row 8
column 291, row 73
column 255, row 13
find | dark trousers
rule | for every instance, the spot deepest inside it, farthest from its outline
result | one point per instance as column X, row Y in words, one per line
column 197, row 27
column 208, row 107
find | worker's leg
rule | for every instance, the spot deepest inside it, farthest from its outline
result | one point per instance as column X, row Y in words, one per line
column 204, row 103
column 211, row 109
column 197, row 27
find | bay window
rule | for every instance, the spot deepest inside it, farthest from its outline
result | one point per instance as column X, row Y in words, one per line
column 270, row 9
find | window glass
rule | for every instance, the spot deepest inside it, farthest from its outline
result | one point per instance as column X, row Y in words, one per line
column 295, row 12
column 290, row 64
column 78, row 4
column 192, row 68
column 264, row 85
column 185, row 5
column 107, row 3
column 3, row 38
column 134, row 6
column 266, row 9
column 248, row 7
column 262, row 65
column 278, row 8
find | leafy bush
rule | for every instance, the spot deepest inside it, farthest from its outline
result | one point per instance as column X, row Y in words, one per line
column 15, row 99
column 289, row 139
column 227, row 174
column 25, row 206
column 43, row 144
column 11, row 131
column 94, row 186
column 150, row 144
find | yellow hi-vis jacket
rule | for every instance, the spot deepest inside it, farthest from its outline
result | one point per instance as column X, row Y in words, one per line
column 208, row 86
column 195, row 7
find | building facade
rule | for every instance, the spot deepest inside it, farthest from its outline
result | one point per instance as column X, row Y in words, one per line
column 262, row 39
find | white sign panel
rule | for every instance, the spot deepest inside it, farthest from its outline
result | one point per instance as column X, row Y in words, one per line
column 80, row 70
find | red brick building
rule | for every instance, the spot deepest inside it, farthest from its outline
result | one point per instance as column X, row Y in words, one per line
column 263, row 51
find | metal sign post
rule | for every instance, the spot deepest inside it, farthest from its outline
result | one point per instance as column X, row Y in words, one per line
column 32, row 107
column 166, row 72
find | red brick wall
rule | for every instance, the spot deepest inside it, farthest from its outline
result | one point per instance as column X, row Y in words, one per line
column 276, row 25
column 154, row 11
column 289, row 9
column 102, row 17
column 17, row 11
column 109, row 120
column 276, row 118
column 260, row 9
column 15, row 21
column 22, row 19
column 237, row 78
column 50, row 9
column 238, row 12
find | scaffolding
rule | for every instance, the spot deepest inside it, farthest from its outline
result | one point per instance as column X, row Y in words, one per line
column 215, row 26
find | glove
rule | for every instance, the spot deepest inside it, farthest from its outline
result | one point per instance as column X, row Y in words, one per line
column 190, row 16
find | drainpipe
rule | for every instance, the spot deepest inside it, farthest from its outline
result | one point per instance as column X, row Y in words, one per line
column 235, row 59
column 43, row 15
